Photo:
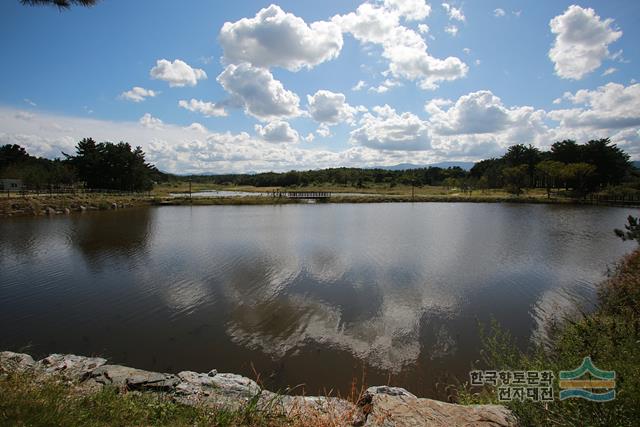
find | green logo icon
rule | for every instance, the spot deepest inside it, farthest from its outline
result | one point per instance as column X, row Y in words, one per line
column 583, row 382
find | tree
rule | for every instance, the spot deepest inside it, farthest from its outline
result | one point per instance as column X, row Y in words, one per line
column 515, row 178
column 567, row 151
column 60, row 4
column 632, row 230
column 551, row 171
column 112, row 166
column 612, row 164
column 578, row 175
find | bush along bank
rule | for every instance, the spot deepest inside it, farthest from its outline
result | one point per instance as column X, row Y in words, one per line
column 609, row 336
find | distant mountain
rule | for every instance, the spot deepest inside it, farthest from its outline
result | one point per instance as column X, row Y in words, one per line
column 636, row 164
column 444, row 165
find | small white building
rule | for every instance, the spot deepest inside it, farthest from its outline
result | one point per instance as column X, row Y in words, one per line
column 9, row 184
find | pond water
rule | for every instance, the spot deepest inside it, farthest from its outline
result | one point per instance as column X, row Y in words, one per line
column 302, row 294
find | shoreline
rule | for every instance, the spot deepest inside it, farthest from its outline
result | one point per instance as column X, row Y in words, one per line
column 51, row 205
column 214, row 391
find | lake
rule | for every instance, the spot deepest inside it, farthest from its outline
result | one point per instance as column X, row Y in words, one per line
column 313, row 295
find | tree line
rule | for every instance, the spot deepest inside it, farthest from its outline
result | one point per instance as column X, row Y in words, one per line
column 105, row 165
column 577, row 169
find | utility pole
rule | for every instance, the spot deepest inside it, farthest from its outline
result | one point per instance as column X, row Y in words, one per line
column 190, row 196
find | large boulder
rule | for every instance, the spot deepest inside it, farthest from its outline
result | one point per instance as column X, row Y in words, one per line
column 133, row 379
column 11, row 362
column 218, row 390
column 69, row 366
column 393, row 406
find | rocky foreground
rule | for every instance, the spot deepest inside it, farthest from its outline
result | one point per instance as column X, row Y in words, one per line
column 379, row 406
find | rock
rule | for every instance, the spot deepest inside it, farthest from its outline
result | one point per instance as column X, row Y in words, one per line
column 133, row 379
column 82, row 208
column 69, row 366
column 15, row 362
column 114, row 206
column 67, row 211
column 214, row 389
column 391, row 406
column 50, row 211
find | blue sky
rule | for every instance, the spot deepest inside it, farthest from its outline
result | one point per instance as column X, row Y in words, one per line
column 439, row 81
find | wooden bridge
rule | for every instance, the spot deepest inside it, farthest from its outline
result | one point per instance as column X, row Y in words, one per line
column 303, row 194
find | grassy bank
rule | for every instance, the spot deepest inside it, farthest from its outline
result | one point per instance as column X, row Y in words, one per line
column 58, row 204
column 610, row 335
column 167, row 194
column 24, row 401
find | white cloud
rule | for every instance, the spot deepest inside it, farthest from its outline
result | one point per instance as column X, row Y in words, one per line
column 324, row 130
column 454, row 12
column 499, row 12
column 258, row 92
column 480, row 123
column 609, row 107
column 30, row 102
column 582, row 42
column 138, row 94
column 359, row 86
column 385, row 86
column 209, row 109
column 277, row 131
column 310, row 137
column 330, row 108
column 423, row 28
column 150, row 122
column 476, row 113
column 387, row 130
column 411, row 10
column 177, row 73
column 190, row 149
column 275, row 38
column 404, row 48
column 609, row 71
column 451, row 29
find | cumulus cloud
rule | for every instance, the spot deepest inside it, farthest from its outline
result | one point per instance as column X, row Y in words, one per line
column 149, row 121
column 423, row 28
column 454, row 13
column 177, row 73
column 324, row 130
column 609, row 71
column 331, row 108
column 609, row 107
column 359, row 86
column 138, row 94
column 411, row 10
column 385, row 86
column 387, row 130
column 277, row 131
column 209, row 109
column 451, row 29
column 261, row 95
column 499, row 12
column 480, row 113
column 582, row 42
column 404, row 48
column 276, row 38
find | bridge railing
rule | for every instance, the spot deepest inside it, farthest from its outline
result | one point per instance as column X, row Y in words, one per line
column 303, row 194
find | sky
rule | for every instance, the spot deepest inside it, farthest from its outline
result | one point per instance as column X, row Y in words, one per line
column 208, row 86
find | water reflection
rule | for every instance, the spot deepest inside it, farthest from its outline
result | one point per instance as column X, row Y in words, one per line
column 116, row 237
column 396, row 288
